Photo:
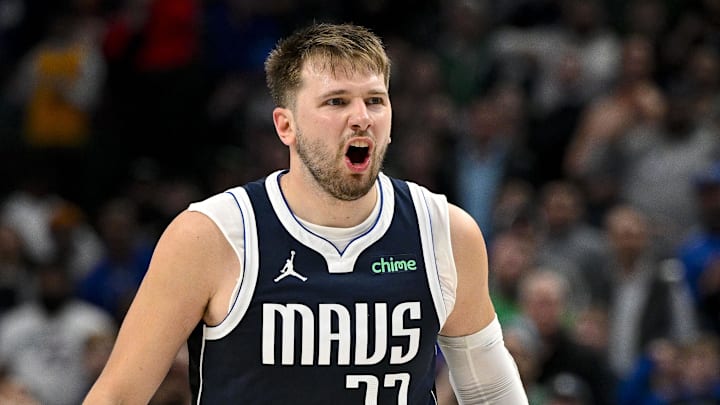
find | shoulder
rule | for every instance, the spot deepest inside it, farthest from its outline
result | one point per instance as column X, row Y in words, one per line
column 468, row 243
column 192, row 232
column 462, row 226
column 190, row 263
column 188, row 252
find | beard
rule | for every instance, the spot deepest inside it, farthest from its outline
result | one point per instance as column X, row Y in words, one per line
column 323, row 166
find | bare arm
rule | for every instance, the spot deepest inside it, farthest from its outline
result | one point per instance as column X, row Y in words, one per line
column 473, row 308
column 481, row 369
column 190, row 260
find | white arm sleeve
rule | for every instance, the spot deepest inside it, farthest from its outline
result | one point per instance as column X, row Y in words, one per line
column 482, row 371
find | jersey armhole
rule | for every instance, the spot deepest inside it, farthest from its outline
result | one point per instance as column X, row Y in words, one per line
column 433, row 219
column 232, row 213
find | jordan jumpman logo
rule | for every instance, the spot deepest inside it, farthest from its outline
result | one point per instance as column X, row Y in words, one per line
column 289, row 270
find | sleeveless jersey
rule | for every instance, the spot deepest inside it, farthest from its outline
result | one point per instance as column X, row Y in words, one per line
column 312, row 324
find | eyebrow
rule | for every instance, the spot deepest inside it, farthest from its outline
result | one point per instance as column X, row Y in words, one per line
column 340, row 92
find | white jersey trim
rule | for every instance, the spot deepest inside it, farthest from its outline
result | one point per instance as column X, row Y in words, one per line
column 236, row 220
column 433, row 219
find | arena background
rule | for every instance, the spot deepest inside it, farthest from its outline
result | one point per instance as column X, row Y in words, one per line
column 582, row 135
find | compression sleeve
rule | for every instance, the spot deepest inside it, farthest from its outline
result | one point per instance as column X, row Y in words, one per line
column 482, row 371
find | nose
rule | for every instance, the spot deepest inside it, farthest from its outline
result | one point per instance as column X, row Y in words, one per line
column 359, row 119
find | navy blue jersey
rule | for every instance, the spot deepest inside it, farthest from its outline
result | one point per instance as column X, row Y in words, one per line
column 314, row 324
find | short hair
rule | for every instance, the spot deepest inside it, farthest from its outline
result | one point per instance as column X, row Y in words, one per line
column 338, row 46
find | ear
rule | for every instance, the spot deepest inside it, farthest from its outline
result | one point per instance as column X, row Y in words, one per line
column 283, row 120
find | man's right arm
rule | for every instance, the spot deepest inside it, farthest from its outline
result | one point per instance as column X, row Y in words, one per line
column 188, row 264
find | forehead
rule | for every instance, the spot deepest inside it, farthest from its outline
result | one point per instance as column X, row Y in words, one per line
column 323, row 73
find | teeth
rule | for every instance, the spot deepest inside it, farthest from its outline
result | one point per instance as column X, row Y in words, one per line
column 359, row 144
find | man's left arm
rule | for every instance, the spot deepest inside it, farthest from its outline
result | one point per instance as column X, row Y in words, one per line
column 482, row 371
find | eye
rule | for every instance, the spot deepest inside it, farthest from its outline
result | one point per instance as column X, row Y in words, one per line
column 335, row 101
column 375, row 100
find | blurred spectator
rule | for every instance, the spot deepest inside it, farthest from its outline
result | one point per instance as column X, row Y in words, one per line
column 560, row 65
column 633, row 104
column 675, row 374
column 646, row 18
column 172, row 196
column 426, row 150
column 154, row 92
column 528, row 13
column 29, row 208
column 142, row 186
column 463, row 44
column 74, row 239
column 22, row 25
column 113, row 281
column 591, row 328
column 50, row 226
column 525, row 348
column 691, row 26
column 653, row 163
column 13, row 392
column 654, row 377
column 700, row 252
column 236, row 37
column 514, row 208
column 57, row 87
column 42, row 341
column 554, row 121
column 431, row 117
column 659, row 168
column 700, row 371
column 481, row 160
column 96, row 351
column 422, row 95
column 543, row 298
column 178, row 193
column 567, row 242
column 15, row 284
column 511, row 257
column 702, row 74
column 647, row 298
column 239, row 34
column 581, row 35
column 568, row 389
column 225, row 168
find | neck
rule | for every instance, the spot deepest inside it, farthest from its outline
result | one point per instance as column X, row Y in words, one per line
column 310, row 202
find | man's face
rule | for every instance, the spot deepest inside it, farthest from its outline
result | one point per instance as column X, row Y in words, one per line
column 342, row 128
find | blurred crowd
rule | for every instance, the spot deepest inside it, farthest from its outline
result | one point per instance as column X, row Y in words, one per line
column 582, row 135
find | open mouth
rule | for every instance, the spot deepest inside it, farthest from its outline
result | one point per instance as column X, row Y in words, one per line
column 357, row 154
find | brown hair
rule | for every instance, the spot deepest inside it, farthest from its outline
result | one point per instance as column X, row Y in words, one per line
column 337, row 46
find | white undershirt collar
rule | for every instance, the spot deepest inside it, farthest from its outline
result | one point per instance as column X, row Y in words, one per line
column 341, row 237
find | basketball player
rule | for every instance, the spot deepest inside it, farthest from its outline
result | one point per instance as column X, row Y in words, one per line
column 328, row 282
